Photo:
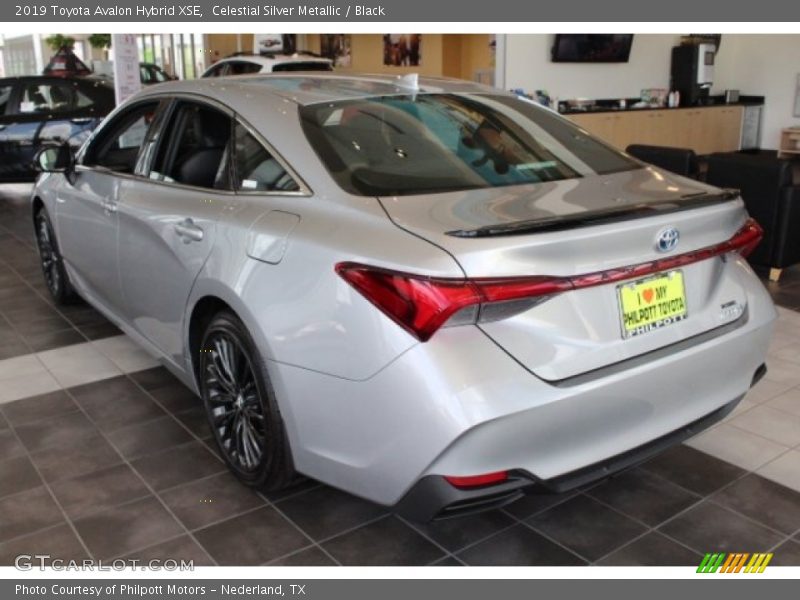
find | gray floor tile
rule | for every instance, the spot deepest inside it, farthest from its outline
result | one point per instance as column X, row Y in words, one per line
column 455, row 534
column 587, row 527
column 10, row 446
column 151, row 379
column 17, row 475
column 37, row 408
column 178, row 465
column 765, row 501
column 251, row 539
column 519, row 546
column 56, row 431
column 49, row 340
column 123, row 529
column 27, row 512
column 652, row 550
column 709, row 527
column 310, row 557
column 98, row 490
column 341, row 511
column 149, row 437
column 176, row 397
column 182, row 548
column 117, row 402
column 644, row 496
column 77, row 457
column 693, row 470
column 786, row 555
column 367, row 545
column 200, row 503
column 59, row 543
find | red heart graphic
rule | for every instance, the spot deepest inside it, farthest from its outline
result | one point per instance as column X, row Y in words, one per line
column 648, row 295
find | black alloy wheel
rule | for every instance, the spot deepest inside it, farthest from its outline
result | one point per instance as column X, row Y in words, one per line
column 55, row 276
column 241, row 407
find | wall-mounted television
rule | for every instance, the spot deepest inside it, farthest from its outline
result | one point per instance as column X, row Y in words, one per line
column 592, row 47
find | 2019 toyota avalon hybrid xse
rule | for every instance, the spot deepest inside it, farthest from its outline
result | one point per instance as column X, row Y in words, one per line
column 428, row 293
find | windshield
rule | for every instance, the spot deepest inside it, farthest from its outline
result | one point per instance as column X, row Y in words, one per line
column 405, row 145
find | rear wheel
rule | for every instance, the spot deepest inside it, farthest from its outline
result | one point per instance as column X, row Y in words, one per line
column 240, row 405
column 55, row 275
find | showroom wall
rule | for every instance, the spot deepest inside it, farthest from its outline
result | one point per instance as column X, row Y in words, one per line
column 528, row 66
column 451, row 55
column 765, row 65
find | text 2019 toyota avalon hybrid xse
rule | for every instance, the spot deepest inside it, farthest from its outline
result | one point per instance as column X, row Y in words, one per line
column 430, row 294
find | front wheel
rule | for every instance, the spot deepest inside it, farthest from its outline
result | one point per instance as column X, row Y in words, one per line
column 55, row 275
column 241, row 407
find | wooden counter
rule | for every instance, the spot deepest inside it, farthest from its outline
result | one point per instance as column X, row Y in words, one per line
column 704, row 129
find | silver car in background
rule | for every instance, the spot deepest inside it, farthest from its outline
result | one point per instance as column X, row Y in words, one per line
column 428, row 293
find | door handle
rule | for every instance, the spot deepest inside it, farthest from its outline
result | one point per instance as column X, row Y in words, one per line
column 109, row 207
column 188, row 231
column 3, row 126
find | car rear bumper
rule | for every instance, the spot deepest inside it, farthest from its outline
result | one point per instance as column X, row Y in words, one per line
column 458, row 405
column 433, row 498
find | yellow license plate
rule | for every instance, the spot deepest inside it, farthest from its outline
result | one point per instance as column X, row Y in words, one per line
column 652, row 303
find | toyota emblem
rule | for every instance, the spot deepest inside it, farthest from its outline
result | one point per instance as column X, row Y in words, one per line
column 667, row 239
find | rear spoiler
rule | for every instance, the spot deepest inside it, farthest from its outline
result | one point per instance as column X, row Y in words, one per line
column 602, row 216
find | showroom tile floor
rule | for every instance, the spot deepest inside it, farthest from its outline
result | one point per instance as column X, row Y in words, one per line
column 103, row 454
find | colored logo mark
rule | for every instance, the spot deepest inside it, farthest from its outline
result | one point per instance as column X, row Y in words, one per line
column 735, row 562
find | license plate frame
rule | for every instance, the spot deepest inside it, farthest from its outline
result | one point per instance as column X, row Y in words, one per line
column 663, row 305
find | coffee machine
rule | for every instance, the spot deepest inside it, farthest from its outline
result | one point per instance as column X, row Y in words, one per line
column 693, row 72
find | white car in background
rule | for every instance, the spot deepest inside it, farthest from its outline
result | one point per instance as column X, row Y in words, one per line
column 244, row 64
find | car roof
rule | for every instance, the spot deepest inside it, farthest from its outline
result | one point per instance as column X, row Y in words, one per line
column 306, row 88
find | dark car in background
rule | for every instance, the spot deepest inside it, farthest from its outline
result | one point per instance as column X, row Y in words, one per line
column 40, row 110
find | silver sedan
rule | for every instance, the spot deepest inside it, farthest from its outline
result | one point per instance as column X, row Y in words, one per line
column 428, row 293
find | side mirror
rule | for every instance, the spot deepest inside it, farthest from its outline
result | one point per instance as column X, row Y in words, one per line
column 54, row 159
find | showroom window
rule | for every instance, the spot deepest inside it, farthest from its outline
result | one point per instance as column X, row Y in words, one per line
column 197, row 149
column 117, row 147
column 255, row 167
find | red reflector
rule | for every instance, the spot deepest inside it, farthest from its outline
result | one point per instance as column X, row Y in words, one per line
column 421, row 305
column 477, row 480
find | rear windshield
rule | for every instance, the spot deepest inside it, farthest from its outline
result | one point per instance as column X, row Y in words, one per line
column 405, row 145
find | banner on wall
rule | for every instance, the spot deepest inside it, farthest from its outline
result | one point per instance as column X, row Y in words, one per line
column 402, row 49
column 126, row 66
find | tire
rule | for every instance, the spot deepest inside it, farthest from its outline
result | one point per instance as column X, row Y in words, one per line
column 240, row 406
column 55, row 275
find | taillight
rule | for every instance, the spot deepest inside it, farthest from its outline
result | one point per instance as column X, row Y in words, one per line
column 472, row 481
column 422, row 305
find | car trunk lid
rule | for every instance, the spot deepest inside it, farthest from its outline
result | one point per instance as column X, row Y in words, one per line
column 571, row 228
